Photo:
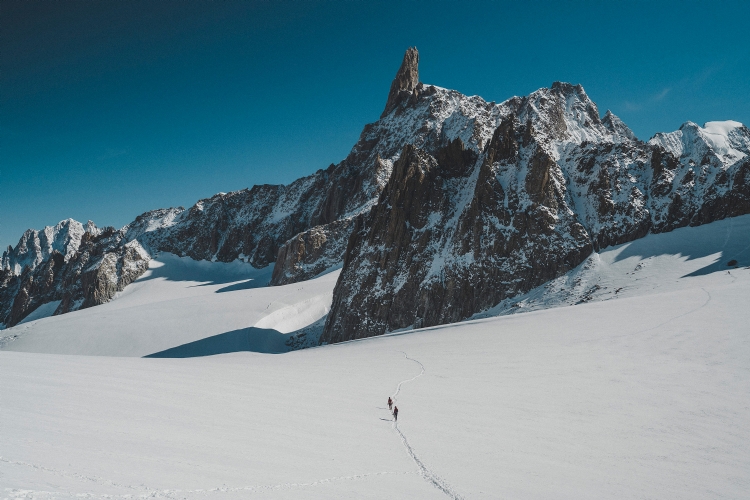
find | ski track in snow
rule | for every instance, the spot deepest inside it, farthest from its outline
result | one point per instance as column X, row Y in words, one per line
column 72, row 475
column 424, row 471
column 144, row 491
column 708, row 299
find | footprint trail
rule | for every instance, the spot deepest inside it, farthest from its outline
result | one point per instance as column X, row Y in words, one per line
column 424, row 471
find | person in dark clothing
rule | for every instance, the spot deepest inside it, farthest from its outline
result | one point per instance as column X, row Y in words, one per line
column 390, row 403
column 395, row 413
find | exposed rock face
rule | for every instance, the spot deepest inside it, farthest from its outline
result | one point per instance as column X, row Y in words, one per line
column 35, row 247
column 103, row 263
column 32, row 273
column 252, row 224
column 457, row 230
column 312, row 252
column 405, row 83
column 32, row 287
column 700, row 174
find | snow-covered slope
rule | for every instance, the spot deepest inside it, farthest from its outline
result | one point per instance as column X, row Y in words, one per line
column 180, row 301
column 654, row 264
column 639, row 397
column 209, row 308
column 726, row 139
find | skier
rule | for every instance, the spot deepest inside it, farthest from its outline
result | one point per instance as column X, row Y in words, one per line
column 390, row 403
column 395, row 413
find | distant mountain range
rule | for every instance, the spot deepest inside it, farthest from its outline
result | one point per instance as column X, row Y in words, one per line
column 446, row 205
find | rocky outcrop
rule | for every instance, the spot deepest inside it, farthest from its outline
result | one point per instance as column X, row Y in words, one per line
column 36, row 247
column 312, row 253
column 447, row 240
column 699, row 174
column 405, row 82
column 32, row 273
column 103, row 264
column 34, row 288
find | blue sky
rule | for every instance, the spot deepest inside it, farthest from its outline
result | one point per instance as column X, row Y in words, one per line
column 109, row 109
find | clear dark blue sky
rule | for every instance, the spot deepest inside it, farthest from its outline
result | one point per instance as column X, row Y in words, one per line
column 109, row 109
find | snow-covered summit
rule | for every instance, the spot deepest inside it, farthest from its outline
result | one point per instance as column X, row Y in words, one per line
column 728, row 141
column 35, row 247
column 561, row 115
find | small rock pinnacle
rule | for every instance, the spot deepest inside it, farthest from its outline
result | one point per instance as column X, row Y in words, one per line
column 406, row 80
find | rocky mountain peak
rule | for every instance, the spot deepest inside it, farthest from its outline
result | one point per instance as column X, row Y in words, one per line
column 90, row 227
column 35, row 247
column 566, row 88
column 487, row 201
column 618, row 128
column 573, row 94
column 564, row 115
column 405, row 82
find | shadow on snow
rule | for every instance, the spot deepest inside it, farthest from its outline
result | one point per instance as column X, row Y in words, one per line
column 728, row 239
column 249, row 339
column 237, row 275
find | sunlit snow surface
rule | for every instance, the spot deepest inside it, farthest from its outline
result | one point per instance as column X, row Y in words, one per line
column 691, row 140
column 639, row 391
column 179, row 301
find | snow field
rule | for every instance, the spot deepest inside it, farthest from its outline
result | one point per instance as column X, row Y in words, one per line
column 636, row 398
column 248, row 422
column 176, row 302
column 640, row 393
column 640, row 397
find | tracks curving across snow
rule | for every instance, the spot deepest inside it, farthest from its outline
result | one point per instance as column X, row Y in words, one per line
column 708, row 299
column 143, row 491
column 424, row 471
column 398, row 387
column 669, row 320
